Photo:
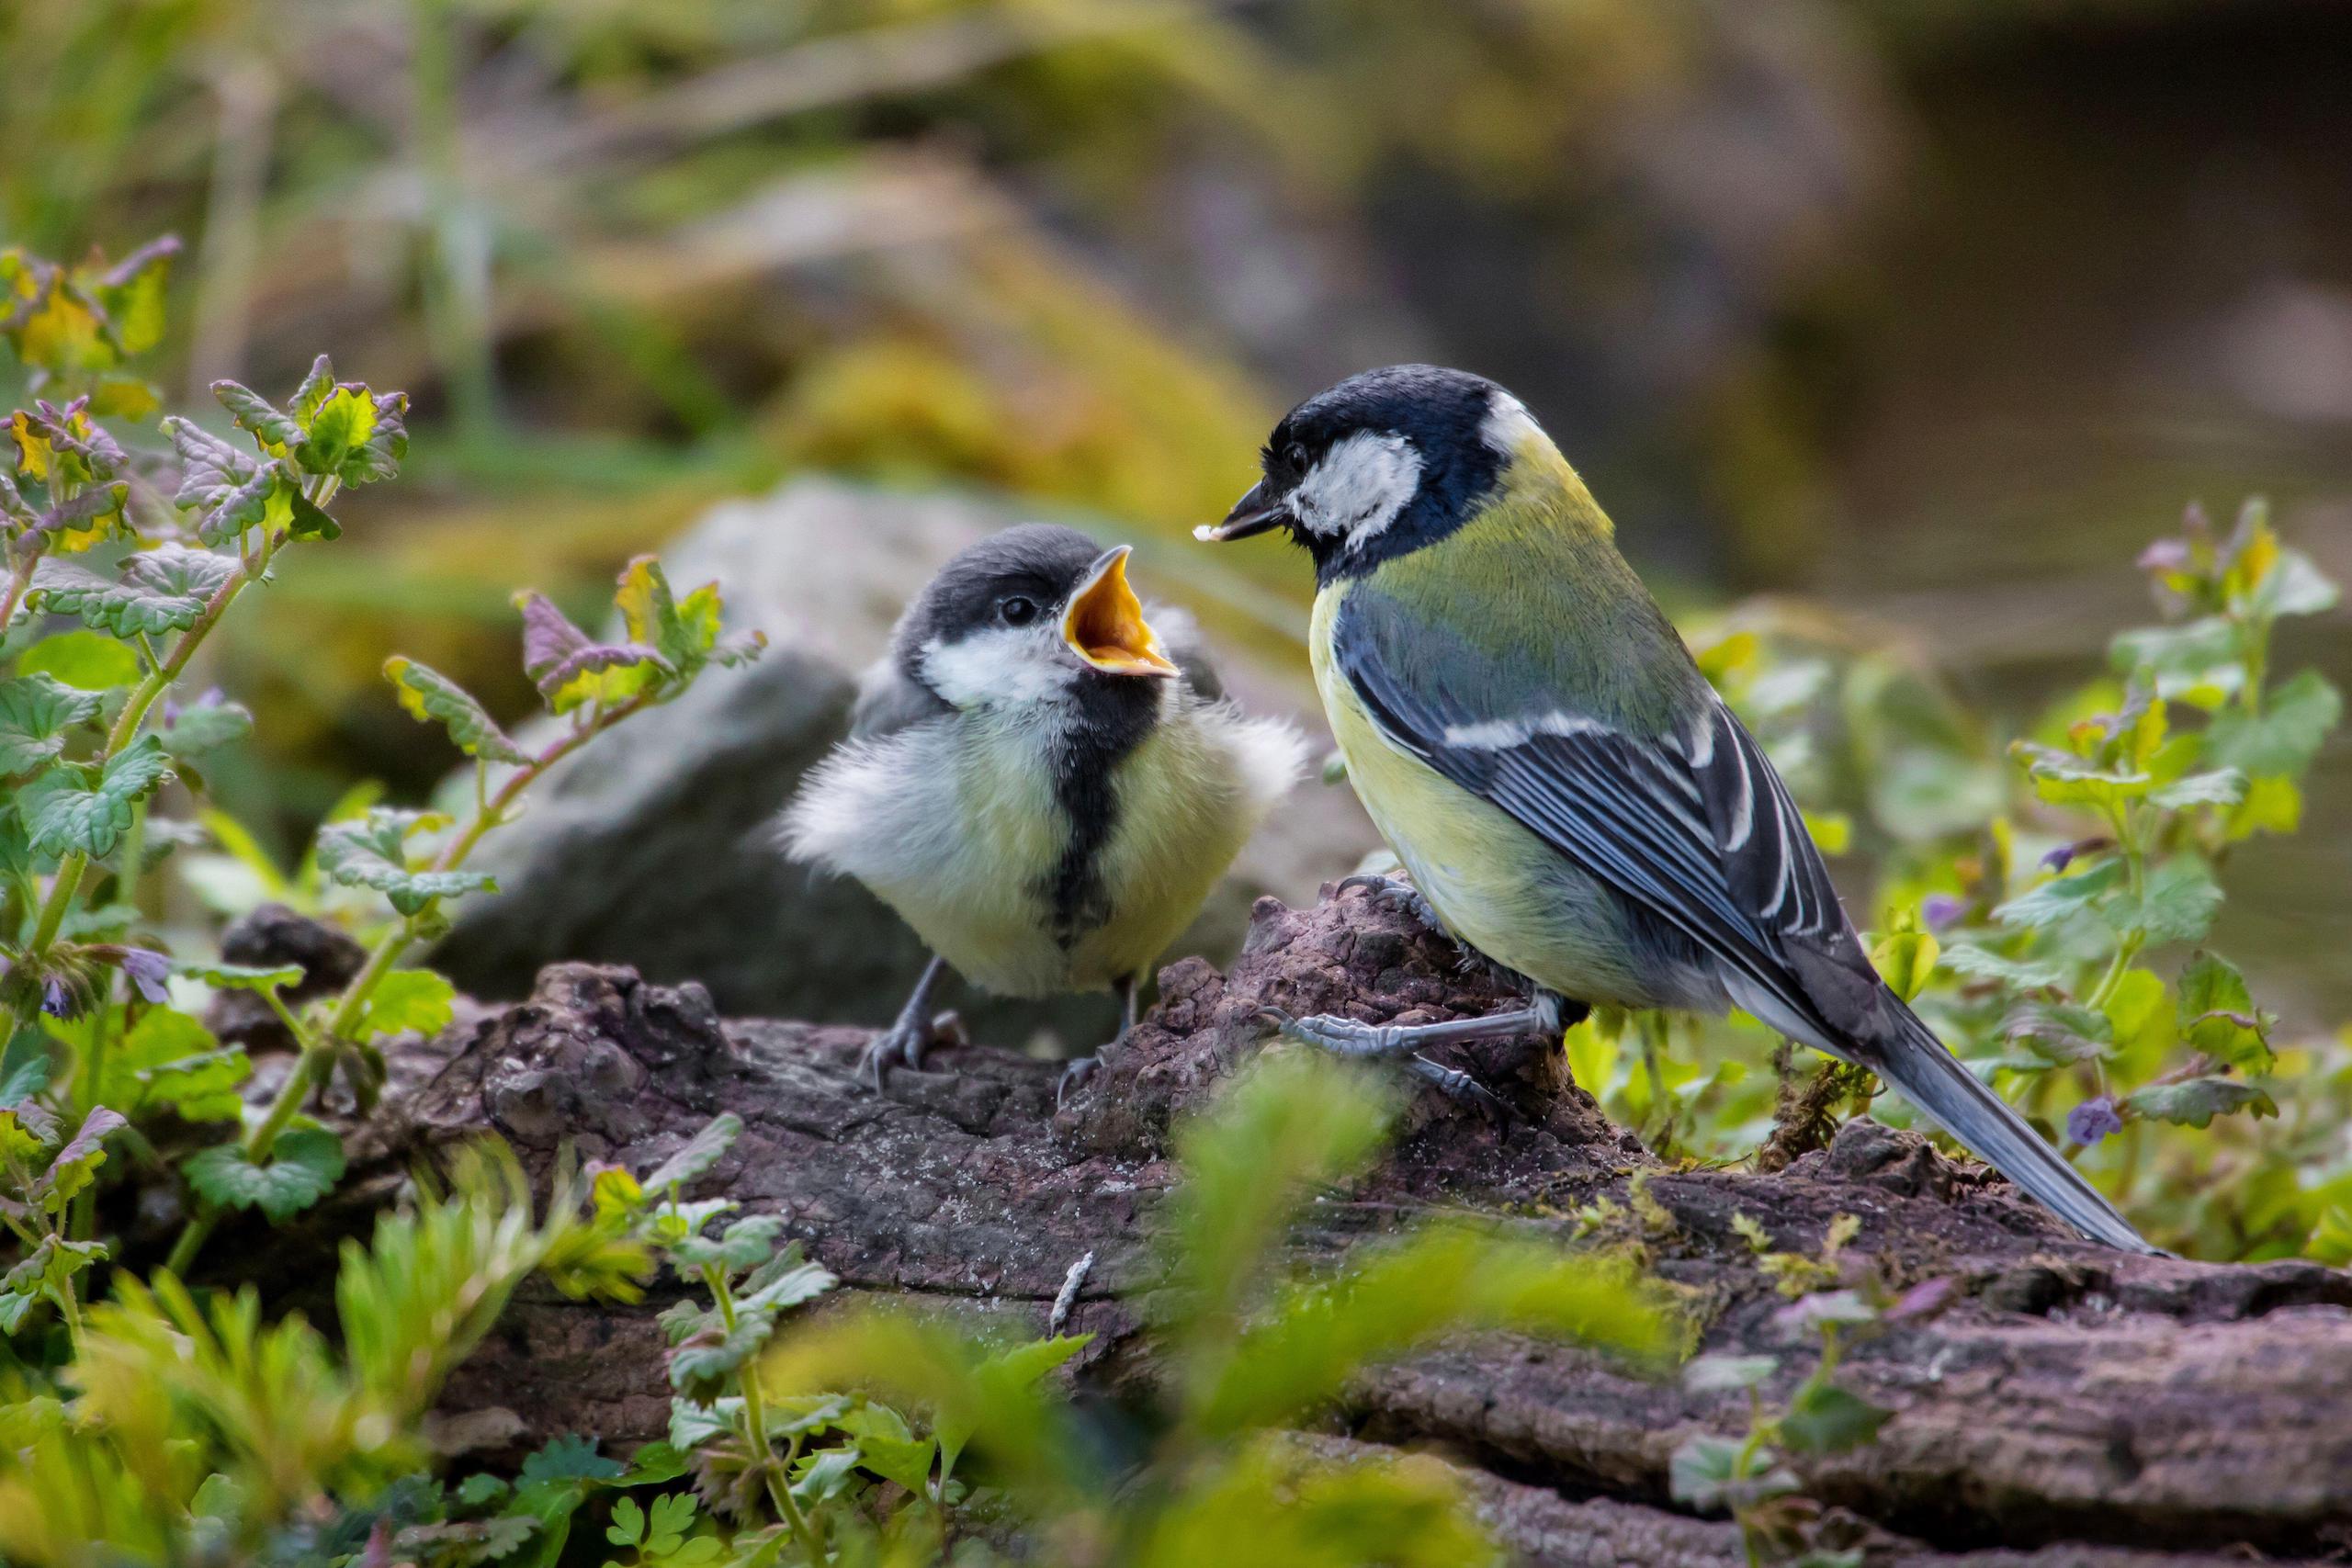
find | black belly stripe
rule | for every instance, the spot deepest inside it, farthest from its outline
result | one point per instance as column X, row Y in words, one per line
column 1113, row 714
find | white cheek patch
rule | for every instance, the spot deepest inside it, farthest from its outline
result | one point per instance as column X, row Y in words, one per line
column 1359, row 487
column 1002, row 664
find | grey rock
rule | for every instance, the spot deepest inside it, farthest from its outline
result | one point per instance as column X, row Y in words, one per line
column 653, row 846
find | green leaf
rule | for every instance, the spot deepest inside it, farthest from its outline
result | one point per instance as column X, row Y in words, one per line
column 2280, row 740
column 434, row 698
column 747, row 1244
column 2194, row 1102
column 703, row 1365
column 2059, row 1033
column 1906, row 960
column 258, row 417
column 210, row 468
column 2061, row 897
column 89, row 661
column 2220, row 787
column 888, row 1447
column 68, row 810
column 191, row 731
column 48, row 1266
column 572, row 671
column 2218, row 1016
column 2179, row 903
column 824, row 1475
column 2294, row 586
column 36, row 714
column 571, row 1458
column 1825, row 1419
column 164, row 590
column 353, row 433
column 407, row 1001
column 76, row 1165
column 199, row 1088
column 629, row 1523
column 2198, row 661
column 1982, row 964
column 705, row 1149
column 787, row 1279
column 303, row 1168
column 372, row 853
column 1706, row 1474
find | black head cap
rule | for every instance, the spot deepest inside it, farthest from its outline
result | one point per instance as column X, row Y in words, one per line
column 1417, row 452
column 1015, row 578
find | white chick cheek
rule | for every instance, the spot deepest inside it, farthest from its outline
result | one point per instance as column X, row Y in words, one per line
column 1000, row 664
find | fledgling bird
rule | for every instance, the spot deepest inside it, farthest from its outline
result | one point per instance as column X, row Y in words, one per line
column 1036, row 784
column 1571, row 797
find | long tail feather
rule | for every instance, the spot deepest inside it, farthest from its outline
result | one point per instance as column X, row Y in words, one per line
column 1915, row 1061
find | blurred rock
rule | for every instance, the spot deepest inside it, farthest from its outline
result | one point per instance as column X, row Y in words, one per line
column 270, row 938
column 653, row 847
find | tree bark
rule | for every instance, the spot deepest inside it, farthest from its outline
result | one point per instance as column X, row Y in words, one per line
column 2072, row 1405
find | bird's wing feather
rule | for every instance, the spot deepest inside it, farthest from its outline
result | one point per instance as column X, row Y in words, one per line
column 889, row 700
column 1694, row 826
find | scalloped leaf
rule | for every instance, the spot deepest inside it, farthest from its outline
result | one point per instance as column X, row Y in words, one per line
column 258, row 417
column 76, row 1165
column 37, row 715
column 431, row 697
column 164, row 590
column 70, row 810
column 303, row 1167
column 701, row 1152
column 407, row 1000
column 2194, row 1102
column 210, row 468
column 371, row 851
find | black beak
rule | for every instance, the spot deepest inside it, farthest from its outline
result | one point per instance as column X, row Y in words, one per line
column 1255, row 513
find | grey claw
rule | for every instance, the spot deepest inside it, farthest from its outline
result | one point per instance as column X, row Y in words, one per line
column 1459, row 1087
column 1074, row 1077
column 1396, row 893
column 906, row 1045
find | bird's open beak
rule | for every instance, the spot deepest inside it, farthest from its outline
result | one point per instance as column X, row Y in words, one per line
column 1105, row 623
column 1254, row 513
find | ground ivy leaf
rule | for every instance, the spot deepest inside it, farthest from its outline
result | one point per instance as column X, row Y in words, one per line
column 1704, row 1473
column 210, row 467
column 68, row 811
column 2286, row 735
column 2061, row 897
column 2194, row 1102
column 50, row 1265
column 2218, row 1016
column 163, row 590
column 2059, row 1033
column 1982, row 964
column 242, row 976
column 258, row 417
column 36, row 713
column 705, row 1149
column 2178, row 904
column 407, row 1000
column 372, row 853
column 434, row 698
column 76, row 1165
column 701, row 1365
column 571, row 1458
column 304, row 1164
column 89, row 661
column 785, row 1281
column 191, row 731
column 1823, row 1419
column 2220, row 787
column 1717, row 1375
column 199, row 1087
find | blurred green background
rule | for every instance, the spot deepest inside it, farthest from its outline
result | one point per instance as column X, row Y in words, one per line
column 1934, row 308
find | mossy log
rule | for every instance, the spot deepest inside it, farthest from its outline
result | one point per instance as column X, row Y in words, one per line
column 2072, row 1405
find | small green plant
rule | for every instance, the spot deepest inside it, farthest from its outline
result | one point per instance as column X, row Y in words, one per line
column 94, row 729
column 191, row 1424
column 2052, row 919
column 1746, row 1475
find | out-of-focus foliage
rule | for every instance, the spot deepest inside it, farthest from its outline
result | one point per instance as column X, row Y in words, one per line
column 1248, row 1349
column 2050, row 914
column 194, row 1422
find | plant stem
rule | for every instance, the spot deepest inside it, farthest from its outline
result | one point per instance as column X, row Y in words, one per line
column 756, row 1420
column 19, row 580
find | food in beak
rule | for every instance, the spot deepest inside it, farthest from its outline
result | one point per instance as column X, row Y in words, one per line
column 1254, row 513
column 1105, row 623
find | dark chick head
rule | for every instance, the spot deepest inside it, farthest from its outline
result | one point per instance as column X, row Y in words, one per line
column 1031, row 615
column 1381, row 464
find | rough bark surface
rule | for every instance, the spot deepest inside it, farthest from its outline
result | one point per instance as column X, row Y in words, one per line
column 2073, row 1405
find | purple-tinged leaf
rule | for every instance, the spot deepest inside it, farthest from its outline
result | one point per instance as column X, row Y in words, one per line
column 210, row 467
column 1921, row 1301
column 76, row 1165
column 254, row 414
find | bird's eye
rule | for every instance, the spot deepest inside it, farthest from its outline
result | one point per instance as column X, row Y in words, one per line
column 1016, row 611
column 1296, row 455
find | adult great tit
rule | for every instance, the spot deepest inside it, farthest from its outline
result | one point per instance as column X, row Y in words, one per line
column 1035, row 783
column 1570, row 796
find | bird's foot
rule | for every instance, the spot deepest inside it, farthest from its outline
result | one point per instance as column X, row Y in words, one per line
column 1074, row 1077
column 906, row 1044
column 1352, row 1037
column 1395, row 892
